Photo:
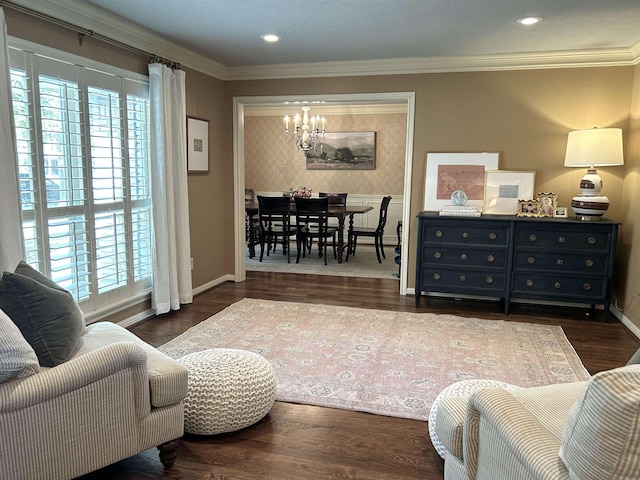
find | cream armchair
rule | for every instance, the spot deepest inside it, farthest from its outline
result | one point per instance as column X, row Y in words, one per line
column 115, row 397
column 580, row 431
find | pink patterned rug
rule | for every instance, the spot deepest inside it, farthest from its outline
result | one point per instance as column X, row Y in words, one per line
column 382, row 362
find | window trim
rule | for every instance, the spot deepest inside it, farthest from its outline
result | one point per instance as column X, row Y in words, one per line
column 138, row 296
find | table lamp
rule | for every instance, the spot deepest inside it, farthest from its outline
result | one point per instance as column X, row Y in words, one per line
column 594, row 147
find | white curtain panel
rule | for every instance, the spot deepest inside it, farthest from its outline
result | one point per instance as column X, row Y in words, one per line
column 10, row 229
column 172, row 255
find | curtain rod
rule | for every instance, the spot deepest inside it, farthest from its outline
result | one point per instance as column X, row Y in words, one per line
column 83, row 33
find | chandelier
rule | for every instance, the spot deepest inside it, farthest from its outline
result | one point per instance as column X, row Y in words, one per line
column 307, row 131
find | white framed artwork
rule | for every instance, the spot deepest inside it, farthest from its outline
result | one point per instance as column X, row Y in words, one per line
column 450, row 172
column 503, row 190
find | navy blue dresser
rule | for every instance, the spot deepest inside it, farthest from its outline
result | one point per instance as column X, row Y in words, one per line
column 509, row 257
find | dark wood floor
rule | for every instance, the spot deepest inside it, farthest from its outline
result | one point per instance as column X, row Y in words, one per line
column 303, row 442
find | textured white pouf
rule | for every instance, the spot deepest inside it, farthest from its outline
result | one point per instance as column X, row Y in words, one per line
column 229, row 389
column 458, row 389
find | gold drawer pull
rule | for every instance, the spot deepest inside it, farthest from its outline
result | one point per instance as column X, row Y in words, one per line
column 436, row 276
column 531, row 260
column 463, row 278
column 562, row 240
column 437, row 255
column 465, row 235
column 586, row 286
column 532, row 238
column 491, row 258
column 492, row 236
column 589, row 263
column 488, row 280
column 560, row 262
column 438, row 233
column 463, row 256
column 557, row 285
column 529, row 283
column 592, row 240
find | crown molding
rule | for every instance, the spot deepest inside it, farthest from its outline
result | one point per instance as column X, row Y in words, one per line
column 635, row 51
column 403, row 66
column 105, row 23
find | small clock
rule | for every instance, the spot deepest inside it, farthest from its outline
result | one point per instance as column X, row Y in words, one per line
column 458, row 198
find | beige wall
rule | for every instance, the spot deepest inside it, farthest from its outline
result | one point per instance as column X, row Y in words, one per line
column 627, row 288
column 523, row 114
column 274, row 165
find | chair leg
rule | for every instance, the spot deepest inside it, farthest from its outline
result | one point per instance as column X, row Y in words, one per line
column 324, row 248
column 353, row 245
column 299, row 245
column 378, row 249
column 262, row 248
column 288, row 239
column 382, row 248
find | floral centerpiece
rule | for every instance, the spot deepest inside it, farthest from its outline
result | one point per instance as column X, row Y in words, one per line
column 300, row 192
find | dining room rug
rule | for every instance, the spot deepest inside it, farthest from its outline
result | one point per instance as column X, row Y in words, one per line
column 382, row 362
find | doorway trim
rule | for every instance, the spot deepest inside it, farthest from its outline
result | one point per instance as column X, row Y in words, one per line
column 239, row 104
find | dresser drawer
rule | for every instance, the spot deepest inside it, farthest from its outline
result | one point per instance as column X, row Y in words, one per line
column 464, row 256
column 460, row 232
column 577, row 239
column 593, row 263
column 463, row 280
column 590, row 289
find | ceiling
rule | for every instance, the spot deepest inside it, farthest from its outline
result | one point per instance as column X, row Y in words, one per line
column 392, row 35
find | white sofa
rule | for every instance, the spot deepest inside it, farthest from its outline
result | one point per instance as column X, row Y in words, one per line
column 580, row 431
column 115, row 397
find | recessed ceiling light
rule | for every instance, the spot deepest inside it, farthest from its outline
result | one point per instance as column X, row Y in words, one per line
column 270, row 37
column 529, row 20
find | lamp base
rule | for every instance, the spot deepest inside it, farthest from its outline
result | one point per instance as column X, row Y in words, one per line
column 590, row 208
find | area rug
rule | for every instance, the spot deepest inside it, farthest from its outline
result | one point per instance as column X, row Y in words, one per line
column 382, row 362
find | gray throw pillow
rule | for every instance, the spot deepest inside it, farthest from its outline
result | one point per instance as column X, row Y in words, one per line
column 47, row 315
column 17, row 358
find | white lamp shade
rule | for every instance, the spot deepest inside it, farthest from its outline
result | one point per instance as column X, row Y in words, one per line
column 594, row 147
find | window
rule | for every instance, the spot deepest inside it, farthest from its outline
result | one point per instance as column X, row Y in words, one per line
column 82, row 137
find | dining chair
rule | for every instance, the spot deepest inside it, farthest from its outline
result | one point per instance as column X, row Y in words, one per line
column 312, row 222
column 376, row 232
column 252, row 223
column 275, row 222
column 335, row 200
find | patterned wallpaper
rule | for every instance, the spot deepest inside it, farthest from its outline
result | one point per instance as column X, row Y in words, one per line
column 273, row 165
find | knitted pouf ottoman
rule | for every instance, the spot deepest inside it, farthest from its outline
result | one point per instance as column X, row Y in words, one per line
column 229, row 389
column 458, row 389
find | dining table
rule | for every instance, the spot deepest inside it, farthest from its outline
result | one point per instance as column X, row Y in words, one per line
column 339, row 212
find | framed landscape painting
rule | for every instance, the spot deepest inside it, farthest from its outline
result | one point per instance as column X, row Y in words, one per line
column 448, row 172
column 344, row 151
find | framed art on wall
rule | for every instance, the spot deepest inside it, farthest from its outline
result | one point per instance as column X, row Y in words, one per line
column 344, row 151
column 503, row 189
column 449, row 172
column 197, row 145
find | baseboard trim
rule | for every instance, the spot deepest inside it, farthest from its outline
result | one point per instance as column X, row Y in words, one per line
column 142, row 316
column 214, row 283
column 136, row 319
column 632, row 327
